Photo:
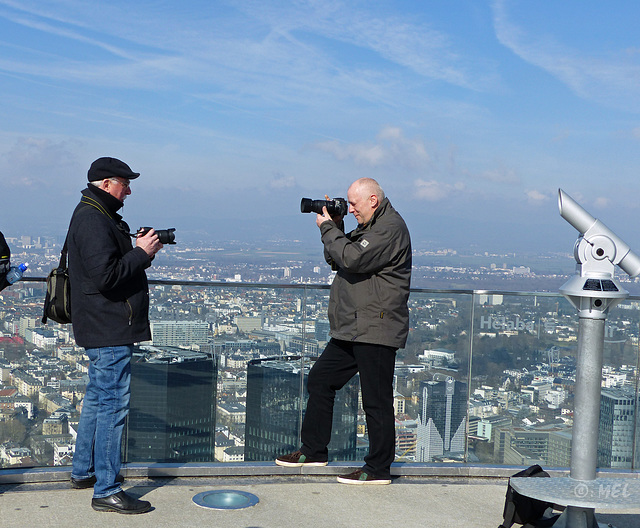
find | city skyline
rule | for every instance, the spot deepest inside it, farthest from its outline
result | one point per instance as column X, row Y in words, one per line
column 470, row 118
column 507, row 398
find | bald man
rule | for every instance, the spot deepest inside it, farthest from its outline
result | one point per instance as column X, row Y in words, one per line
column 369, row 321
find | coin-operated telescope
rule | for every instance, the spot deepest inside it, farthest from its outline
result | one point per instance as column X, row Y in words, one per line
column 594, row 289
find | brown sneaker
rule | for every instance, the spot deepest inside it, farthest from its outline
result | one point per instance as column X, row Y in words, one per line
column 297, row 459
column 359, row 477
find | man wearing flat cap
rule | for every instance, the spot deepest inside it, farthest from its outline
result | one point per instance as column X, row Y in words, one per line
column 110, row 313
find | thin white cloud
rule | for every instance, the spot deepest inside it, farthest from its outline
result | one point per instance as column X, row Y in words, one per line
column 368, row 155
column 390, row 148
column 602, row 202
column 407, row 41
column 37, row 161
column 435, row 191
column 612, row 80
column 280, row 181
column 537, row 197
column 501, row 175
column 273, row 49
column 59, row 31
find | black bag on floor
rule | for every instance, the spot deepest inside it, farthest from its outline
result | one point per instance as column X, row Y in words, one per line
column 528, row 512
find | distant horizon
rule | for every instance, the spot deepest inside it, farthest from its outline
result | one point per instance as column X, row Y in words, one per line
column 471, row 119
column 434, row 268
column 259, row 238
column 271, row 220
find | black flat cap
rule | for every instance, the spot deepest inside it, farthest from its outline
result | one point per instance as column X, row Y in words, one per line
column 104, row 168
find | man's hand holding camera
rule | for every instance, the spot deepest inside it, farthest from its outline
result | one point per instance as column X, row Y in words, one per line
column 149, row 242
column 323, row 217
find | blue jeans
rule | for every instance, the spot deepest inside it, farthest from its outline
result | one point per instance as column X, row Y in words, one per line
column 104, row 409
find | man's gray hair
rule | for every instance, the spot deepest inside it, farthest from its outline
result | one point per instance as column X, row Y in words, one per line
column 98, row 183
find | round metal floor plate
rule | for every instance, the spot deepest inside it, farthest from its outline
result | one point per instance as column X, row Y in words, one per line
column 225, row 499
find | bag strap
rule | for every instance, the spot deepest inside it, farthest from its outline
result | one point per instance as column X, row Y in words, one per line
column 63, row 255
column 87, row 200
column 509, row 514
column 95, row 203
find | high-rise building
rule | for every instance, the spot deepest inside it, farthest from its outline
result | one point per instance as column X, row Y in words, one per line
column 177, row 333
column 442, row 419
column 406, row 439
column 617, row 427
column 322, row 329
column 273, row 419
column 306, row 346
column 249, row 323
column 544, row 444
column 560, row 448
column 172, row 416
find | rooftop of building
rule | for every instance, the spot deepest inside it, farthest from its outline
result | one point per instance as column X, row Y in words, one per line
column 461, row 496
column 287, row 497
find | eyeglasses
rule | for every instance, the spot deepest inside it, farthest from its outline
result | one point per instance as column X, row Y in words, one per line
column 125, row 183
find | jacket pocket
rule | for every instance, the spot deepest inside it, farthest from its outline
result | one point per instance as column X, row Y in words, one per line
column 128, row 309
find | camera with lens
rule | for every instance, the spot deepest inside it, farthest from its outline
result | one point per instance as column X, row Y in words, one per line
column 165, row 236
column 335, row 207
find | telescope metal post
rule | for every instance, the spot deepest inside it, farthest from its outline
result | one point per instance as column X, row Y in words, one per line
column 586, row 419
column 593, row 291
column 586, row 416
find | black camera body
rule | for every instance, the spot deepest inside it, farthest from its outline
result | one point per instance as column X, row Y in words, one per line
column 335, row 207
column 165, row 236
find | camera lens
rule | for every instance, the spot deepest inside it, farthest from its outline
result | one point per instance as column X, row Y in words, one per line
column 337, row 206
column 166, row 236
column 306, row 205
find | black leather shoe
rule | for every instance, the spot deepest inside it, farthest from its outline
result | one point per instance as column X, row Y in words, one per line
column 90, row 482
column 121, row 503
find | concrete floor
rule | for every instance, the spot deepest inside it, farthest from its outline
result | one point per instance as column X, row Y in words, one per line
column 284, row 502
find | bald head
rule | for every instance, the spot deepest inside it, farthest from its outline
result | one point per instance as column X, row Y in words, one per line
column 368, row 186
column 364, row 196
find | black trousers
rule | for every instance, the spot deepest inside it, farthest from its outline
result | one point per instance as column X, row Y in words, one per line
column 339, row 362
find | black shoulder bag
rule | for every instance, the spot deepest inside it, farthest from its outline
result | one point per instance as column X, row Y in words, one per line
column 57, row 301
column 530, row 513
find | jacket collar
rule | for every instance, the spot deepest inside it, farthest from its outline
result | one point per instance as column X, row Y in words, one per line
column 110, row 203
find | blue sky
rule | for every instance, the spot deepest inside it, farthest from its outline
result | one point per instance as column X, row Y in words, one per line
column 471, row 114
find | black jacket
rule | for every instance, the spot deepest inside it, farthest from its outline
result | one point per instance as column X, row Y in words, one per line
column 109, row 290
column 5, row 262
column 369, row 294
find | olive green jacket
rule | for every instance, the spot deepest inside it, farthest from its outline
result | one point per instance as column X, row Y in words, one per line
column 368, row 300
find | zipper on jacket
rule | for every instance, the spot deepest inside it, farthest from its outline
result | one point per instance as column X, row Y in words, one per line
column 130, row 312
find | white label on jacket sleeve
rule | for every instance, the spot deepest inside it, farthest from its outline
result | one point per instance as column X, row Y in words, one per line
column 364, row 243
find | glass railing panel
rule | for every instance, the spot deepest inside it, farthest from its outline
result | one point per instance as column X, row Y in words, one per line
column 523, row 377
column 618, row 431
column 174, row 381
column 431, row 379
column 30, row 377
column 276, row 388
column 242, row 325
column 498, row 367
column 516, row 402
